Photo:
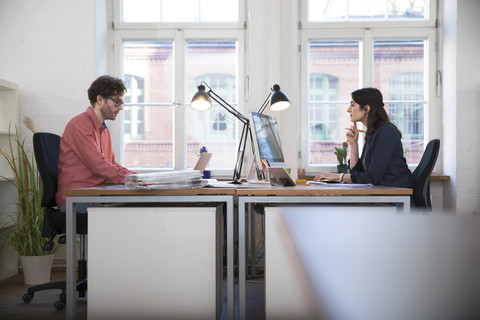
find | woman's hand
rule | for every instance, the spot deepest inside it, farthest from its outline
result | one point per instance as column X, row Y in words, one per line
column 326, row 176
column 352, row 134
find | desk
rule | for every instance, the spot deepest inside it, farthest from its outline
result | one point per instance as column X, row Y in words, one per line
column 385, row 266
column 318, row 194
column 119, row 194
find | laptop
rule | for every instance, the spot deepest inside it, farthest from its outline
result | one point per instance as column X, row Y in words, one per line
column 280, row 177
column 203, row 161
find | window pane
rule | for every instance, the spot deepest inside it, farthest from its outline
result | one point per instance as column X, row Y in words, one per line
column 333, row 75
column 141, row 10
column 214, row 63
column 180, row 10
column 365, row 10
column 148, row 120
column 399, row 73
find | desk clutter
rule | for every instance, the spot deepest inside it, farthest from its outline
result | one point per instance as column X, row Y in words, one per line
column 169, row 179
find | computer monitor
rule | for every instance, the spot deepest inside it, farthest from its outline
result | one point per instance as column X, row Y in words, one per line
column 267, row 139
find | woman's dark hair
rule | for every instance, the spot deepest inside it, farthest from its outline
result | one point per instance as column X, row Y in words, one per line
column 106, row 86
column 377, row 116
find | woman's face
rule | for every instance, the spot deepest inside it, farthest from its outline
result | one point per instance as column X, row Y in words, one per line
column 357, row 113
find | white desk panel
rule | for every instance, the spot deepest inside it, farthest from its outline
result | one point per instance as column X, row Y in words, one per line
column 154, row 263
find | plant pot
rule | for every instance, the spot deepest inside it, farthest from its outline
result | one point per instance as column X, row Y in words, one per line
column 342, row 168
column 36, row 269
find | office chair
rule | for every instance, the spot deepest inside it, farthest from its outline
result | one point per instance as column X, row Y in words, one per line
column 46, row 147
column 421, row 176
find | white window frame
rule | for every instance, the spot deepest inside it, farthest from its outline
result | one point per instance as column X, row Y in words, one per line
column 366, row 33
column 179, row 34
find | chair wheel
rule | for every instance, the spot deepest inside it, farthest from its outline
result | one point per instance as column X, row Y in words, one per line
column 48, row 246
column 59, row 305
column 27, row 298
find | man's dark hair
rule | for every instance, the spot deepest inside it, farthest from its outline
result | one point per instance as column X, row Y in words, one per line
column 106, row 86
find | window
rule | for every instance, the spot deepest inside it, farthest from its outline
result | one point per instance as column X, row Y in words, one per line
column 148, row 116
column 327, row 92
column 212, row 62
column 399, row 71
column 163, row 52
column 174, row 11
column 391, row 46
column 366, row 10
column 134, row 112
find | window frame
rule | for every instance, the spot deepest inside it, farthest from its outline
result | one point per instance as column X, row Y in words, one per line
column 366, row 37
column 179, row 34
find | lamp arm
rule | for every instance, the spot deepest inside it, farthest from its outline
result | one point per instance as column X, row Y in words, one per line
column 265, row 103
column 228, row 107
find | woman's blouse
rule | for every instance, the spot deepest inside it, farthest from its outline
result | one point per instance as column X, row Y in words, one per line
column 382, row 161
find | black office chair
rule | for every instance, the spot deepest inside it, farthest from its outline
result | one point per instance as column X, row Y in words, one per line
column 46, row 148
column 421, row 176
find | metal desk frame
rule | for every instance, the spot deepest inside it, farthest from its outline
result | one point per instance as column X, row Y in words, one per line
column 71, row 302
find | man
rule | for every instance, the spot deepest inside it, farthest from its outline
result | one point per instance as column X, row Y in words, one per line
column 86, row 157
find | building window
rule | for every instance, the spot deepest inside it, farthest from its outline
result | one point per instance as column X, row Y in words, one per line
column 134, row 111
column 323, row 115
column 212, row 62
column 333, row 71
column 399, row 72
column 148, row 113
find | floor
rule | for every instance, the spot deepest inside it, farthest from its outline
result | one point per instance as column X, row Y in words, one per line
column 42, row 305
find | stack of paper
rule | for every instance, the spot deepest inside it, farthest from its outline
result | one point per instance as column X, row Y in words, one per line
column 168, row 179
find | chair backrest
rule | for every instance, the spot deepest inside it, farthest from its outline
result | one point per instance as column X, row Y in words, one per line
column 46, row 147
column 421, row 175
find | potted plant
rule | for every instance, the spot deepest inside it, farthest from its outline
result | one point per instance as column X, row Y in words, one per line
column 341, row 154
column 26, row 234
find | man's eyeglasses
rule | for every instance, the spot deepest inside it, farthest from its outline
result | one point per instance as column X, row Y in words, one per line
column 118, row 103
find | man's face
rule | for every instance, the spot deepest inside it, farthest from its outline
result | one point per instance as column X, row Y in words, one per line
column 111, row 106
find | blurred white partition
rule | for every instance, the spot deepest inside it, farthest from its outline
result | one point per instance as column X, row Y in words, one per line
column 154, row 263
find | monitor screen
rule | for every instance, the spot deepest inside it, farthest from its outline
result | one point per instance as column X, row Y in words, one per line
column 267, row 139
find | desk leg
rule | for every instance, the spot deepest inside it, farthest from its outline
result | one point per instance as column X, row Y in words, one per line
column 253, row 254
column 406, row 205
column 230, row 265
column 241, row 260
column 71, row 279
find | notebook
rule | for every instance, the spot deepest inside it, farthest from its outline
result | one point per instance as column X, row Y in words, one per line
column 203, row 161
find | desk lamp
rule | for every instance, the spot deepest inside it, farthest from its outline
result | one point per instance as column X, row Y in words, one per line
column 201, row 101
column 278, row 101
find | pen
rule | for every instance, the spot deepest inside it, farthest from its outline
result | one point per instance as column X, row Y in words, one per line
column 359, row 130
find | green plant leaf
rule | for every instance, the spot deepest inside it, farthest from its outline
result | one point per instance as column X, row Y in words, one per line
column 26, row 235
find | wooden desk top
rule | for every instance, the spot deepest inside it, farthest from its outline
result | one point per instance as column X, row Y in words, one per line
column 120, row 190
column 300, row 190
column 432, row 177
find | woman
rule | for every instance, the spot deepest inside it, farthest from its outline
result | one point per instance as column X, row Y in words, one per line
column 382, row 161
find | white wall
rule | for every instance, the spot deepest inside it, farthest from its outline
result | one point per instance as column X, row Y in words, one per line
column 461, row 93
column 51, row 49
column 48, row 48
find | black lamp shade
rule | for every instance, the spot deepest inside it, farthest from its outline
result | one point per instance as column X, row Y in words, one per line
column 201, row 100
column 279, row 100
